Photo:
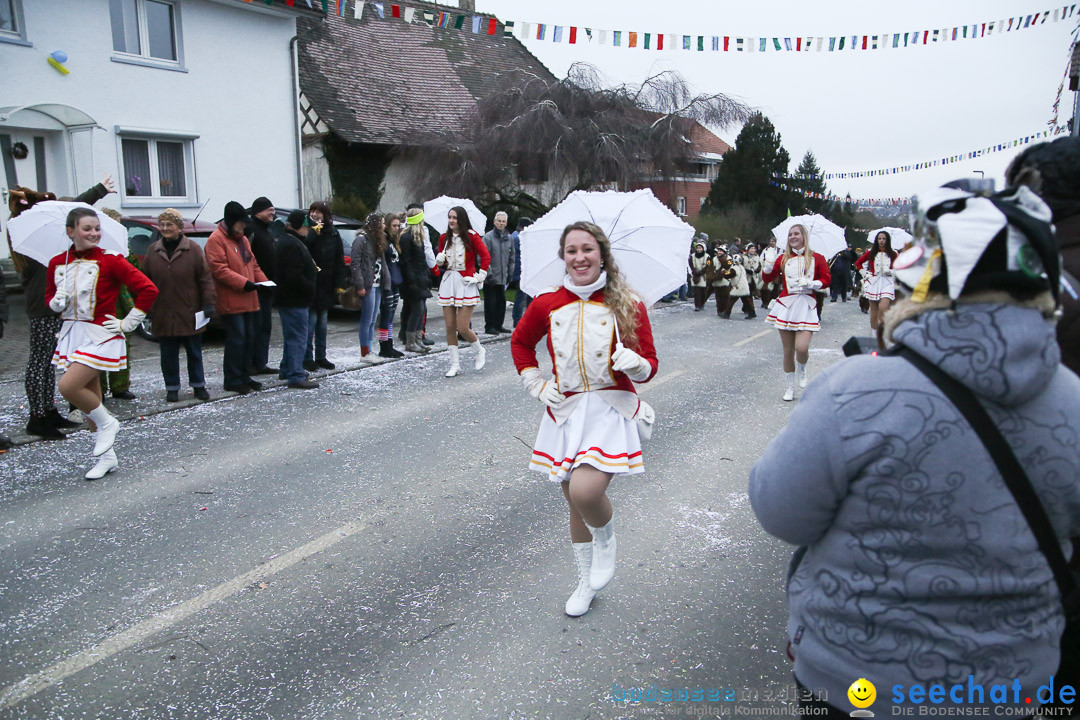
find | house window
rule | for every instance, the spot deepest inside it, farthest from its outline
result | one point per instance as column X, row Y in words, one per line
column 157, row 170
column 12, row 25
column 146, row 30
column 532, row 168
column 680, row 205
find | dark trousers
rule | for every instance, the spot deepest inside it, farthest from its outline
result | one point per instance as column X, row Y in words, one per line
column 701, row 296
column 169, row 347
column 40, row 372
column 494, row 306
column 412, row 314
column 723, row 294
column 839, row 286
column 521, row 301
column 239, row 341
column 747, row 303
column 263, row 327
column 387, row 308
column 294, row 331
column 316, row 334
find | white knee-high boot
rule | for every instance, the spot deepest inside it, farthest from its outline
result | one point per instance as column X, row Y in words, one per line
column 603, row 559
column 789, row 392
column 455, row 366
column 579, row 602
column 106, row 464
column 481, row 355
column 800, row 372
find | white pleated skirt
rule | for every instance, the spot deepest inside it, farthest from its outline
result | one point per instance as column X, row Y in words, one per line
column 91, row 346
column 795, row 312
column 881, row 288
column 455, row 292
column 594, row 434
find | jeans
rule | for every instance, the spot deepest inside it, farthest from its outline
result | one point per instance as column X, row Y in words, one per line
column 316, row 334
column 263, row 326
column 294, row 329
column 684, row 291
column 169, row 347
column 239, row 341
column 521, row 301
column 494, row 306
column 369, row 313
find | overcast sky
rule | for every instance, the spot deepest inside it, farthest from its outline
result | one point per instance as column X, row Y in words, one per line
column 854, row 110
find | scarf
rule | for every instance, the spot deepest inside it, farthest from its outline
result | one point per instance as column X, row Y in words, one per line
column 585, row 291
column 245, row 250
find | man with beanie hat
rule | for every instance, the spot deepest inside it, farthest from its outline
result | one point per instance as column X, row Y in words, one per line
column 262, row 246
column 235, row 272
column 295, row 292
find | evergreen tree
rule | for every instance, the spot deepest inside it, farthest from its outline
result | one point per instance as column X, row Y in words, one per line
column 809, row 181
column 745, row 174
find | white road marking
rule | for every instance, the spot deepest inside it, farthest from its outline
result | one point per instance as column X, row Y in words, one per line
column 761, row 334
column 32, row 685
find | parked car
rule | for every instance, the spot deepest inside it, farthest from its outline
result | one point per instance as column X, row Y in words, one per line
column 143, row 232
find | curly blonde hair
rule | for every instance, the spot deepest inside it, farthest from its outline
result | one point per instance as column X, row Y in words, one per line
column 807, row 253
column 618, row 297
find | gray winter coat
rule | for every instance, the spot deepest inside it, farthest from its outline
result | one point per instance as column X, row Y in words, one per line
column 920, row 568
column 501, row 246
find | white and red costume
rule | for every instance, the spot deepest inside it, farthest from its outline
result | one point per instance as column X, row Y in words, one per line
column 457, row 258
column 596, row 424
column 880, row 285
column 795, row 307
column 91, row 281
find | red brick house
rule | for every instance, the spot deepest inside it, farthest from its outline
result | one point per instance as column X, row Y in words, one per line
column 686, row 193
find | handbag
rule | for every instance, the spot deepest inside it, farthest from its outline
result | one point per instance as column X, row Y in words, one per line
column 350, row 299
column 1068, row 672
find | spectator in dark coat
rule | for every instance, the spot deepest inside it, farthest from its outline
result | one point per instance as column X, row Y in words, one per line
column 262, row 247
column 415, row 279
column 841, row 275
column 178, row 268
column 324, row 244
column 45, row 420
column 500, row 244
column 1052, row 170
column 295, row 294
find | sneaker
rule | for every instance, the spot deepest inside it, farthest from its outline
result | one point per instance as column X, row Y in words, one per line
column 304, row 385
column 324, row 363
column 172, row 396
column 254, row 384
column 201, row 393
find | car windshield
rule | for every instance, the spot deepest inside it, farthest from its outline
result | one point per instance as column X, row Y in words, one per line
column 348, row 234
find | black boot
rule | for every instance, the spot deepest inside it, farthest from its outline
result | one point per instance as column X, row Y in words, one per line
column 5, row 442
column 59, row 421
column 386, row 350
column 41, row 427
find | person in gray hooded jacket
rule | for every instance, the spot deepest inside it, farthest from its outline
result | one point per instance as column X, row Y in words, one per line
column 918, row 568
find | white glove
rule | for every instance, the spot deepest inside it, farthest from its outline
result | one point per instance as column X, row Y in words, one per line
column 480, row 276
column 627, row 361
column 803, row 285
column 59, row 300
column 886, row 273
column 543, row 390
column 815, row 285
column 133, row 319
column 440, row 259
column 113, row 324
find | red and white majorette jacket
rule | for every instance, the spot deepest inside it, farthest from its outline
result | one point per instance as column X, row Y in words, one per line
column 789, row 274
column 94, row 278
column 879, row 264
column 474, row 247
column 580, row 340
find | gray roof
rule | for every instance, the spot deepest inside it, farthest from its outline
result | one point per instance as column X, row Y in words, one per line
column 385, row 81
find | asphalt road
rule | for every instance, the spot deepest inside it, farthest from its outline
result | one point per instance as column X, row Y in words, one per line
column 377, row 548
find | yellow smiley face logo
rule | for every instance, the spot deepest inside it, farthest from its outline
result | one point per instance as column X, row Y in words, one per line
column 862, row 693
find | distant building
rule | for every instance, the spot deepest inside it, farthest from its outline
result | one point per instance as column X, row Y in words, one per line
column 685, row 193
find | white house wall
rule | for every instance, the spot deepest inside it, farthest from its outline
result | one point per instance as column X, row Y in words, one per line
column 236, row 95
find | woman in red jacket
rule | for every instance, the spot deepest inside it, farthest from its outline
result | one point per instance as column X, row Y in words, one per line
column 83, row 284
column 795, row 311
column 459, row 290
column 880, row 287
column 600, row 343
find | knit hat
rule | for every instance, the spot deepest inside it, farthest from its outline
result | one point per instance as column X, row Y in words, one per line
column 296, row 219
column 965, row 243
column 260, row 204
column 234, row 213
column 172, row 216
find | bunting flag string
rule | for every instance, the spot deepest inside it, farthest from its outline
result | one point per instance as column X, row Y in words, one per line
column 671, row 42
column 830, row 197
column 911, row 167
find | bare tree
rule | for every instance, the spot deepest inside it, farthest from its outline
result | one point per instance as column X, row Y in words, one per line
column 531, row 142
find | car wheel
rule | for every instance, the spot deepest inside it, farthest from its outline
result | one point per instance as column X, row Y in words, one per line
column 143, row 330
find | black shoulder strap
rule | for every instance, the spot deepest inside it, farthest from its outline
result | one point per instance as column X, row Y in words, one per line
column 1011, row 472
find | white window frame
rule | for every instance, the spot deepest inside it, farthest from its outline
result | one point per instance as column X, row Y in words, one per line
column 18, row 35
column 187, row 139
column 680, row 205
column 143, row 57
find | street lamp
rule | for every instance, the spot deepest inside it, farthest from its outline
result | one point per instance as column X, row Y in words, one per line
column 981, row 173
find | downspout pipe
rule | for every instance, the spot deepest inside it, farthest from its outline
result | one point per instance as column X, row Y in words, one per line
column 294, row 68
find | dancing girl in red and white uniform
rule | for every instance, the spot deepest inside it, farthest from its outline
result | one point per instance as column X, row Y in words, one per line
column 880, row 287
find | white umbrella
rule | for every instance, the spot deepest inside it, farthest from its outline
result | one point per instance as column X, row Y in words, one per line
column 825, row 238
column 649, row 243
column 435, row 213
column 900, row 237
column 40, row 233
